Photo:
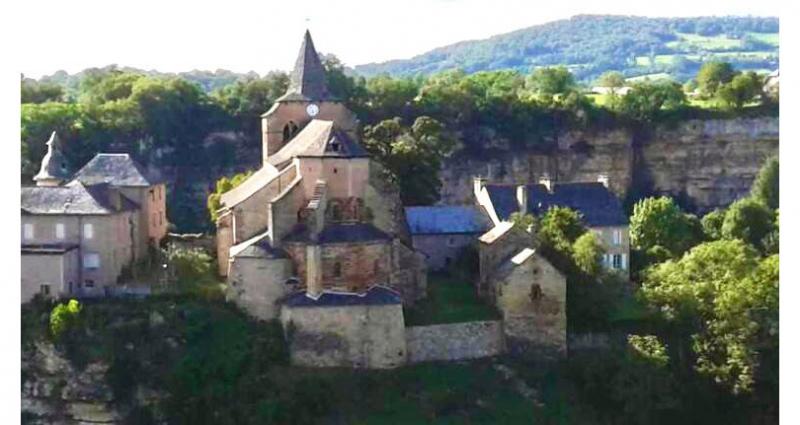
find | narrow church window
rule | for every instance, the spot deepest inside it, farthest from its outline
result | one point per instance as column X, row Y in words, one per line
column 336, row 212
column 337, row 270
column 286, row 132
column 536, row 292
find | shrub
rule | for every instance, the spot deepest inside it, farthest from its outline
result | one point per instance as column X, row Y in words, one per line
column 63, row 317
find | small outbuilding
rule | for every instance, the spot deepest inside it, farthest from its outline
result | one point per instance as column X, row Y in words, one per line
column 441, row 232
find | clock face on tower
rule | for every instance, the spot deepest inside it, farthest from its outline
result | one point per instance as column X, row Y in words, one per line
column 312, row 110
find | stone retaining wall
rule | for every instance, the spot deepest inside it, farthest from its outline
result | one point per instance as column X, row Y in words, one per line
column 457, row 341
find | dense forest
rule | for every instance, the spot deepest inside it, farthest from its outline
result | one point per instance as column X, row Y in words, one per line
column 592, row 44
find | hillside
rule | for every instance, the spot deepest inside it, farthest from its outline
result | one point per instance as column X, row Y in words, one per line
column 590, row 45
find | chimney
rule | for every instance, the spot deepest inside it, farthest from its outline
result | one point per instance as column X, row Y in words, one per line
column 522, row 199
column 545, row 181
column 313, row 271
column 603, row 178
column 477, row 184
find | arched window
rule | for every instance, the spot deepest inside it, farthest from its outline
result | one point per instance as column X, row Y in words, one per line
column 287, row 132
column 337, row 269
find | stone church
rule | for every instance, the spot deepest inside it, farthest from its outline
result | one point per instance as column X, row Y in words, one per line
column 318, row 227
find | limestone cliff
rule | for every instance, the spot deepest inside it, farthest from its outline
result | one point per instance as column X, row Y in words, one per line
column 708, row 163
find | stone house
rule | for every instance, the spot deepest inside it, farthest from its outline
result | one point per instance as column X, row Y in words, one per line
column 442, row 232
column 318, row 222
column 78, row 237
column 600, row 210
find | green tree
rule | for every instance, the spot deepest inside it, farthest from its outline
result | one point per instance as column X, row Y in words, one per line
column 742, row 89
column 614, row 80
column 33, row 91
column 552, row 81
column 765, row 187
column 645, row 100
column 742, row 337
column 412, row 156
column 713, row 75
column 587, row 253
column 224, row 184
column 712, row 224
column 63, row 317
column 725, row 300
column 389, row 97
column 560, row 227
column 245, row 100
column 749, row 220
column 349, row 90
column 659, row 222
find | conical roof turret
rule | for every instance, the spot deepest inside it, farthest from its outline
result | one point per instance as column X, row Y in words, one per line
column 54, row 165
column 308, row 81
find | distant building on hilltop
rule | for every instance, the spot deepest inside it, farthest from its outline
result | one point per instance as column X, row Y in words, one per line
column 78, row 236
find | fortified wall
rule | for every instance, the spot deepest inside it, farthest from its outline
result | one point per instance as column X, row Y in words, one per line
column 713, row 162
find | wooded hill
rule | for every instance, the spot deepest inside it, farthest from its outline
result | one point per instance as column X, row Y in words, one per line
column 592, row 44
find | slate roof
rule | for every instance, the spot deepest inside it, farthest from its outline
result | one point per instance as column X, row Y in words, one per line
column 319, row 138
column 376, row 295
column 74, row 198
column 598, row 205
column 308, row 81
column 250, row 186
column 118, row 169
column 448, row 219
column 340, row 233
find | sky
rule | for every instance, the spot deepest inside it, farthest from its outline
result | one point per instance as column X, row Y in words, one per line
column 260, row 36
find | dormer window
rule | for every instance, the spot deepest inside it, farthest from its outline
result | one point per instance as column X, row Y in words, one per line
column 335, row 146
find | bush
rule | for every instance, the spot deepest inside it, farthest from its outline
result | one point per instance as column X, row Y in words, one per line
column 63, row 317
column 749, row 220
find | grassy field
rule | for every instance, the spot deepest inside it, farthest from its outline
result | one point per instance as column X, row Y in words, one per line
column 449, row 300
column 696, row 41
column 769, row 38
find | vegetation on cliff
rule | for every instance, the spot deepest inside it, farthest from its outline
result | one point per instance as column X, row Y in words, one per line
column 410, row 124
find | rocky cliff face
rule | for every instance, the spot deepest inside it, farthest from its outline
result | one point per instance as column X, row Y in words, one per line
column 708, row 163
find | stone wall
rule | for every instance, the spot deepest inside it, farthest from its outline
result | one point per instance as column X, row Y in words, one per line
column 531, row 294
column 256, row 284
column 442, row 250
column 712, row 161
column 456, row 341
column 360, row 336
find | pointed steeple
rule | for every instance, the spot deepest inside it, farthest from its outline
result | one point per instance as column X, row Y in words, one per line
column 308, row 81
column 54, row 166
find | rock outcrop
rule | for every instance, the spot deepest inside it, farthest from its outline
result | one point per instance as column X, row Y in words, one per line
column 708, row 163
